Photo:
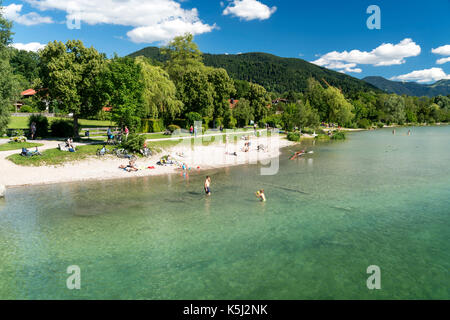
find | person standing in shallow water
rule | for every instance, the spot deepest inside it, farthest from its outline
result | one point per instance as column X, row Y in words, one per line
column 208, row 185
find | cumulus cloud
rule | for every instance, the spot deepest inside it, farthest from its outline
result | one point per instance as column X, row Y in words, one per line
column 423, row 76
column 13, row 12
column 249, row 10
column 443, row 60
column 443, row 51
column 386, row 54
column 152, row 20
column 32, row 46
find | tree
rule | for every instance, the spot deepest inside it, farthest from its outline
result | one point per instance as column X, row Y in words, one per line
column 223, row 88
column 26, row 65
column 159, row 93
column 340, row 110
column 70, row 73
column 123, row 86
column 8, row 84
column 196, row 92
column 315, row 93
column 184, row 56
column 259, row 100
column 243, row 112
column 394, row 109
column 307, row 115
column 242, row 88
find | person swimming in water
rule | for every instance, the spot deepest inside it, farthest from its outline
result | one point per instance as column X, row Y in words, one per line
column 208, row 185
column 260, row 195
column 297, row 154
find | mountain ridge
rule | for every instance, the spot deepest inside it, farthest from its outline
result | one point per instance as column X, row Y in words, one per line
column 441, row 87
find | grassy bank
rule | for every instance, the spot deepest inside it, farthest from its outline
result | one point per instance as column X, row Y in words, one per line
column 18, row 146
column 55, row 156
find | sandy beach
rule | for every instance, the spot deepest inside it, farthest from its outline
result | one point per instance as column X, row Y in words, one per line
column 196, row 157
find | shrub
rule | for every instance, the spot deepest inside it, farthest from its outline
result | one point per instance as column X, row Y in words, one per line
column 182, row 123
column 173, row 127
column 293, row 136
column 41, row 125
column 134, row 143
column 152, row 125
column 62, row 128
column 380, row 125
column 274, row 121
column 340, row 135
column 191, row 117
column 323, row 137
column 364, row 124
column 308, row 131
column 26, row 109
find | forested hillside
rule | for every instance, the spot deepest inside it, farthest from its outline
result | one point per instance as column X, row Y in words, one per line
column 274, row 73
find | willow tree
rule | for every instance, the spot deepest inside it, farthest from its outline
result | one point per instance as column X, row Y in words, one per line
column 70, row 73
column 159, row 93
column 340, row 110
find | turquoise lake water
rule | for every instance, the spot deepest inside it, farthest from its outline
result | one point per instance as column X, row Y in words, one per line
column 374, row 199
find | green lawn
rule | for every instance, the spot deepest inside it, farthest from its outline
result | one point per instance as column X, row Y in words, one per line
column 22, row 123
column 55, row 156
column 18, row 146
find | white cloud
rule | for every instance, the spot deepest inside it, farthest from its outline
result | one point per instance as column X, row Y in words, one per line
column 443, row 51
column 386, row 54
column 249, row 10
column 443, row 60
column 152, row 20
column 12, row 12
column 426, row 75
column 32, row 46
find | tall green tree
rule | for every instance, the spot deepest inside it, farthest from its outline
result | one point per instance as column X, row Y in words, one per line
column 122, row 87
column 340, row 110
column 394, row 109
column 307, row 115
column 8, row 83
column 223, row 88
column 315, row 93
column 159, row 92
column 26, row 65
column 184, row 56
column 70, row 73
column 197, row 93
column 243, row 112
column 259, row 100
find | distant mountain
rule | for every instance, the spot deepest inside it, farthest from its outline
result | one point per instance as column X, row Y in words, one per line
column 442, row 87
column 274, row 73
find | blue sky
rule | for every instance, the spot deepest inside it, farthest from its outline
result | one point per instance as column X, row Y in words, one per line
column 413, row 43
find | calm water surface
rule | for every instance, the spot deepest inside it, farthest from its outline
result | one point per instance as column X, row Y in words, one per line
column 374, row 199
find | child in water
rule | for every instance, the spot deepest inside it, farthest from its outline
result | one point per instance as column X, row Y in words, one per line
column 260, row 194
column 208, row 185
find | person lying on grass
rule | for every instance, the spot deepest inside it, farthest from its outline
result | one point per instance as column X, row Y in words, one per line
column 130, row 167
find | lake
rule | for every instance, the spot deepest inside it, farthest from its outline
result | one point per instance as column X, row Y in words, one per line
column 374, row 199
